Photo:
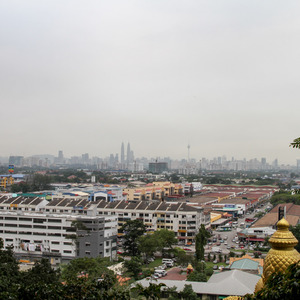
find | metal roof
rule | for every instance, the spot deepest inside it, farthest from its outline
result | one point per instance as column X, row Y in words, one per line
column 227, row 283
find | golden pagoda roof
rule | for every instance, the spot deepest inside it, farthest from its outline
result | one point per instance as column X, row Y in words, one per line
column 283, row 238
column 282, row 254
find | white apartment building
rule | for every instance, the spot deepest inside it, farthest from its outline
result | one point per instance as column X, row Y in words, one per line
column 60, row 236
column 181, row 218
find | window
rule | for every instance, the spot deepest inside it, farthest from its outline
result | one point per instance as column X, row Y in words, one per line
column 39, row 226
column 25, row 219
column 68, row 243
column 11, row 218
column 88, row 252
column 67, row 251
column 25, row 226
column 39, row 221
column 54, row 221
column 55, row 243
column 54, row 227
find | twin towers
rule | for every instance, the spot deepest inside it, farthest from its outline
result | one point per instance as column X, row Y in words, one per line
column 129, row 156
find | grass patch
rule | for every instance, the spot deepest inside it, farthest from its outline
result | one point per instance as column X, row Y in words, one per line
column 157, row 262
column 210, row 264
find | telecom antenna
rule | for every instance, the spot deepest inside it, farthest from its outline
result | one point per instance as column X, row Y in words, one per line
column 189, row 146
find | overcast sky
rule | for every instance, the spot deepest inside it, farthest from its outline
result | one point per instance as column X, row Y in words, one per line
column 83, row 76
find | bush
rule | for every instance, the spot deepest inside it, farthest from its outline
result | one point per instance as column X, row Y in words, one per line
column 209, row 271
column 197, row 276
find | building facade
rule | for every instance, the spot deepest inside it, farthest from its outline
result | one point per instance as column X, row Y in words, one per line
column 60, row 235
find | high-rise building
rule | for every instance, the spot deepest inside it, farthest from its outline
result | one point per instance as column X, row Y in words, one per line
column 298, row 164
column 128, row 158
column 60, row 158
column 122, row 154
column 16, row 160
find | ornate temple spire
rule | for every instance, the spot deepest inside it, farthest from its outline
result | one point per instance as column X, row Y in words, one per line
column 282, row 252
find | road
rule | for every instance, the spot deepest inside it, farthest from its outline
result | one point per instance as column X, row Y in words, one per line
column 228, row 236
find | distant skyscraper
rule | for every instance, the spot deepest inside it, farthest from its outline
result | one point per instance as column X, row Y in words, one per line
column 128, row 158
column 122, row 154
column 60, row 155
column 60, row 158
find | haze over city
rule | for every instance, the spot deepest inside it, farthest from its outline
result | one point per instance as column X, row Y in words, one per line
column 222, row 76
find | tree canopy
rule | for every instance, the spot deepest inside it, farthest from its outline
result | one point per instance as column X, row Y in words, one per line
column 283, row 286
column 94, row 267
column 43, row 282
column 161, row 240
column 201, row 241
column 295, row 143
column 284, row 197
column 132, row 230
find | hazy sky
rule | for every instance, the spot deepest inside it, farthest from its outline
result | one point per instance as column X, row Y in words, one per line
column 83, row 76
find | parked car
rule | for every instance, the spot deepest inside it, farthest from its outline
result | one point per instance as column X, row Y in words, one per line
column 187, row 249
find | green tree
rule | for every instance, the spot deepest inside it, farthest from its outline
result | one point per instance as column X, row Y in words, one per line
column 283, row 286
column 165, row 240
column 188, row 293
column 134, row 266
column 295, row 143
column 182, row 257
column 94, row 267
column 9, row 273
column 259, row 215
column 152, row 292
column 39, row 182
column 220, row 257
column 296, row 232
column 209, row 271
column 104, row 288
column 197, row 276
column 147, row 245
column 231, row 254
column 209, row 257
column 201, row 241
column 41, row 272
column 133, row 230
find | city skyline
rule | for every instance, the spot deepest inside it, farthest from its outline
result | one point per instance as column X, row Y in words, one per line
column 162, row 75
column 123, row 159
